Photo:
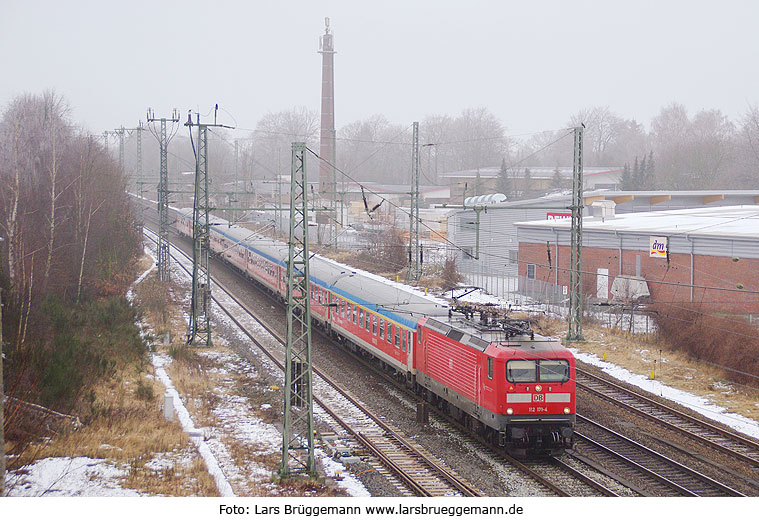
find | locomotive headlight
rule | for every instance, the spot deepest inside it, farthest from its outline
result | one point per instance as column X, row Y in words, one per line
column 566, row 410
column 509, row 411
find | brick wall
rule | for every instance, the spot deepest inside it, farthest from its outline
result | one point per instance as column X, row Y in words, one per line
column 667, row 281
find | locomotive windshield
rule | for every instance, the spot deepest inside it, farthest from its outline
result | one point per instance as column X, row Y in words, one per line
column 533, row 370
column 554, row 370
column 522, row 370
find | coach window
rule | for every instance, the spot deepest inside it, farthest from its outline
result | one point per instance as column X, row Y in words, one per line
column 522, row 370
column 553, row 370
column 355, row 314
column 382, row 329
column 389, row 332
column 374, row 324
column 490, row 368
column 397, row 336
column 360, row 317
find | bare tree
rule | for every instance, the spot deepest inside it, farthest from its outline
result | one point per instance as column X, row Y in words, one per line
column 275, row 133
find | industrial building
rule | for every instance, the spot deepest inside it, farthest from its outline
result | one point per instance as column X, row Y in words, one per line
column 708, row 256
column 499, row 249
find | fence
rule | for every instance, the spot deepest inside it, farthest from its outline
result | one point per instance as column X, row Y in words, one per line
column 532, row 295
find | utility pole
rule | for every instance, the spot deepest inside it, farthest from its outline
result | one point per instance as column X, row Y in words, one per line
column 121, row 134
column 333, row 195
column 163, row 137
column 298, row 432
column 2, row 399
column 199, row 332
column 413, row 238
column 237, row 161
column 575, row 272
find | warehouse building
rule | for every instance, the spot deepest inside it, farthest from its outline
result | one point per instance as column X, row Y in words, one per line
column 708, row 255
column 497, row 222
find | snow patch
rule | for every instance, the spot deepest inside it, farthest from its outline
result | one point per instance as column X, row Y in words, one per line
column 696, row 403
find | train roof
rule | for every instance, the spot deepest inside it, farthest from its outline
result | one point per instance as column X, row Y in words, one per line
column 477, row 334
column 400, row 303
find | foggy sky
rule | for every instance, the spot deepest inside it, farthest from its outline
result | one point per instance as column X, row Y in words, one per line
column 533, row 64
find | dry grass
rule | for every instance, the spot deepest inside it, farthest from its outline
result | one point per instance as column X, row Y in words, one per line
column 643, row 354
column 126, row 424
column 128, row 428
column 158, row 301
column 184, row 480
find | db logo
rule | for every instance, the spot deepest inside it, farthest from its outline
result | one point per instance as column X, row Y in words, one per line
column 539, row 397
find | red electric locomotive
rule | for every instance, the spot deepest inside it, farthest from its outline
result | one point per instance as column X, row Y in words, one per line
column 505, row 382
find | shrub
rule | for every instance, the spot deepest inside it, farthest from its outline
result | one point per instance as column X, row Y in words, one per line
column 726, row 341
column 450, row 275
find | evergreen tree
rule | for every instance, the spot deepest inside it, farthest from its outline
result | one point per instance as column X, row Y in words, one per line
column 557, row 181
column 635, row 174
column 626, row 182
column 504, row 183
column 641, row 184
column 527, row 183
column 650, row 176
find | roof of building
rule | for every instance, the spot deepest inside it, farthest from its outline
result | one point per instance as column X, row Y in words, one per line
column 740, row 221
column 535, row 172
column 707, row 196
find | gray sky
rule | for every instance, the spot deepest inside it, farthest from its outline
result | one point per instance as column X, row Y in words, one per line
column 533, row 64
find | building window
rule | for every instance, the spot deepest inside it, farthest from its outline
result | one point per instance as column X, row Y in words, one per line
column 468, row 252
column 513, row 256
column 530, row 271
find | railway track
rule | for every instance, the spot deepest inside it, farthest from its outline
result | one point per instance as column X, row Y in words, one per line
column 419, row 472
column 553, row 475
column 556, row 477
column 563, row 479
column 650, row 473
column 715, row 437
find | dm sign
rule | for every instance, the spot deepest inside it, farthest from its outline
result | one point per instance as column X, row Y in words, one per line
column 658, row 247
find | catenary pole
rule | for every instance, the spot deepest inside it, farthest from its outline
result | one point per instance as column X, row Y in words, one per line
column 298, row 430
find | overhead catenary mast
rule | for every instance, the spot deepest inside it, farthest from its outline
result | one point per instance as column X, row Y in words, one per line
column 163, row 135
column 575, row 273
column 415, row 269
column 298, row 430
column 199, row 331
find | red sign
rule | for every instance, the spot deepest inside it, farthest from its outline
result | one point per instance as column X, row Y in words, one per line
column 557, row 216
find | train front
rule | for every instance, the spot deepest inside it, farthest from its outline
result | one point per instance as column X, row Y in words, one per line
column 537, row 395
